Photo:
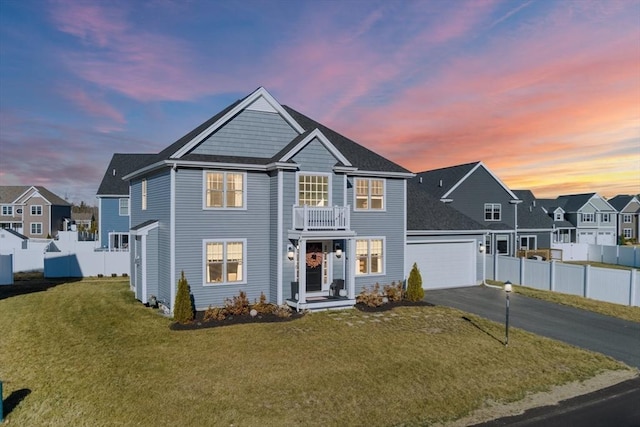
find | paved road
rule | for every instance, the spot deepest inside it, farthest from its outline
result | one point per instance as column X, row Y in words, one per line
column 614, row 337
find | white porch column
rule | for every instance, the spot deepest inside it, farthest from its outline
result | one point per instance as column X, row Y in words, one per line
column 302, row 271
column 351, row 268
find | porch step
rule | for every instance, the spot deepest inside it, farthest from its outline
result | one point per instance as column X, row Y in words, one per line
column 326, row 303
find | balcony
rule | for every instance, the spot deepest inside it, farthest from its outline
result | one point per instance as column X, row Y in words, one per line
column 316, row 218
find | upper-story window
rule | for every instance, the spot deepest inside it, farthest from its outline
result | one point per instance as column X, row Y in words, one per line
column 625, row 218
column 559, row 216
column 123, row 207
column 36, row 210
column 144, row 194
column 224, row 190
column 313, row 190
column 492, row 211
column 7, row 210
column 588, row 217
column 369, row 193
column 606, row 217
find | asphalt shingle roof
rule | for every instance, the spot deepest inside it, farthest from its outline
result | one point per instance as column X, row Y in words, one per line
column 9, row 194
column 620, row 201
column 438, row 182
column 530, row 212
column 121, row 165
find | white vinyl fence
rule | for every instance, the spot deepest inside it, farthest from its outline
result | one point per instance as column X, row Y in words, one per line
column 603, row 284
column 85, row 264
column 628, row 256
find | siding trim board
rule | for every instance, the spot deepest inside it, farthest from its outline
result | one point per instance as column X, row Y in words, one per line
column 316, row 134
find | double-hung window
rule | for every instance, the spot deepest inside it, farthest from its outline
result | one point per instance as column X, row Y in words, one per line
column 606, row 217
column 492, row 211
column 224, row 261
column 369, row 256
column 627, row 233
column 36, row 228
column 143, row 203
column 123, row 206
column 313, row 190
column 36, row 210
column 588, row 217
column 224, row 190
column 370, row 194
column 7, row 210
column 626, row 218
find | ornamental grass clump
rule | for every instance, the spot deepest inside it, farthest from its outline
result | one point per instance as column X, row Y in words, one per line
column 414, row 285
column 183, row 311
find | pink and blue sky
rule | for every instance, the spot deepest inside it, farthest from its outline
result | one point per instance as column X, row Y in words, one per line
column 545, row 93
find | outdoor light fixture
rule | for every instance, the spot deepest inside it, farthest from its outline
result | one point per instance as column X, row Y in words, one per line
column 483, row 249
column 338, row 250
column 507, row 290
column 290, row 253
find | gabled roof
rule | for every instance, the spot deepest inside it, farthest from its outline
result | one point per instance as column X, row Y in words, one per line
column 621, row 201
column 575, row 202
column 442, row 182
column 121, row 165
column 530, row 213
column 425, row 212
column 348, row 153
column 11, row 193
column 15, row 233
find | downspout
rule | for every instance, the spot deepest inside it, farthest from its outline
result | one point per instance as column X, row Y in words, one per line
column 172, row 236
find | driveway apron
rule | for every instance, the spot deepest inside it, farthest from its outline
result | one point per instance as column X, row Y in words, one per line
column 611, row 336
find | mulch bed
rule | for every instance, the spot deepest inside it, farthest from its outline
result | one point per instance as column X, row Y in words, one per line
column 200, row 323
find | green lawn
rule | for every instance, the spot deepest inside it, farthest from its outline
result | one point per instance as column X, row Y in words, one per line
column 86, row 353
column 599, row 265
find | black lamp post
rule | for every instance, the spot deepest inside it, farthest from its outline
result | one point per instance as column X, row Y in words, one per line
column 507, row 290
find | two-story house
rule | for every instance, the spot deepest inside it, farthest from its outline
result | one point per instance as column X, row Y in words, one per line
column 592, row 217
column 113, row 201
column 628, row 208
column 262, row 199
column 32, row 211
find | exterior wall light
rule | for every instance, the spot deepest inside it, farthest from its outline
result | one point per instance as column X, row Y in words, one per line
column 290, row 253
column 338, row 251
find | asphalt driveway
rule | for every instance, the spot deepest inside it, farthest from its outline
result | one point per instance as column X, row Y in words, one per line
column 611, row 336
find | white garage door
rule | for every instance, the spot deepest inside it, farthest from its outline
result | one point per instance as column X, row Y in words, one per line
column 443, row 264
column 606, row 238
column 588, row 237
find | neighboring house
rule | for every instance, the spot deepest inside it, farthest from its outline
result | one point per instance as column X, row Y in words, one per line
column 113, row 201
column 264, row 200
column 11, row 240
column 444, row 243
column 32, row 211
column 563, row 230
column 535, row 227
column 628, row 208
column 476, row 192
column 592, row 218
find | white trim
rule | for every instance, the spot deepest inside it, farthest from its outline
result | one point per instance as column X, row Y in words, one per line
column 444, row 232
column 468, row 174
column 355, row 195
column 144, row 193
column 172, row 238
column 247, row 102
column 120, row 199
column 493, row 205
column 404, row 227
column 224, row 242
column 143, row 266
column 35, row 206
column 344, row 190
column 329, row 184
column 31, row 224
column 316, row 133
column 368, row 239
column 422, row 242
column 380, row 174
column 224, row 190
column 280, row 241
column 143, row 231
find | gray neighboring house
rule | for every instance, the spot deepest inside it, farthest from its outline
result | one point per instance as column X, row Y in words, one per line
column 476, row 192
column 32, row 211
column 443, row 242
column 262, row 199
column 535, row 227
column 592, row 218
column 628, row 208
column 113, row 201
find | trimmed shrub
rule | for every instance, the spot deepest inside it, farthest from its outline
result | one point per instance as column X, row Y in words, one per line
column 183, row 311
column 414, row 285
column 237, row 306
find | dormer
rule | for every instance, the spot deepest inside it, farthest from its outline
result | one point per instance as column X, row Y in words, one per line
column 558, row 214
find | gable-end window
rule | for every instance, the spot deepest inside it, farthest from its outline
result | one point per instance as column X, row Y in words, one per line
column 625, row 218
column 36, row 210
column 588, row 217
column 224, row 261
column 144, row 195
column 7, row 210
column 606, row 217
column 313, row 190
column 559, row 216
column 369, row 256
column 36, row 228
column 492, row 211
column 224, row 190
column 123, row 207
column 627, row 233
column 369, row 194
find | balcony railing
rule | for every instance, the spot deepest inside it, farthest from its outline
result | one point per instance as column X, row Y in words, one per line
column 309, row 218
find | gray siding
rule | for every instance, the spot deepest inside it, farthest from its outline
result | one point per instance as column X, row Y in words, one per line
column 111, row 219
column 194, row 224
column 315, row 157
column 250, row 134
column 153, row 264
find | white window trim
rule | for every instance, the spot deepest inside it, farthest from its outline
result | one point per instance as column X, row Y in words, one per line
column 355, row 195
column 224, row 242
column 591, row 215
column 535, row 241
column 627, row 218
column 607, row 216
column 224, row 189
column 120, row 206
column 144, row 193
column 329, row 185
column 384, row 256
column 36, row 206
column 503, row 238
column 8, row 209
column 493, row 208
column 35, row 233
column 558, row 216
column 628, row 231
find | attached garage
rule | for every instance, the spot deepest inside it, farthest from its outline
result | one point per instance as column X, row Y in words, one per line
column 443, row 264
column 588, row 237
column 607, row 238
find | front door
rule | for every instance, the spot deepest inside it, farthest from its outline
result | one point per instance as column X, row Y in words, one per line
column 314, row 263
